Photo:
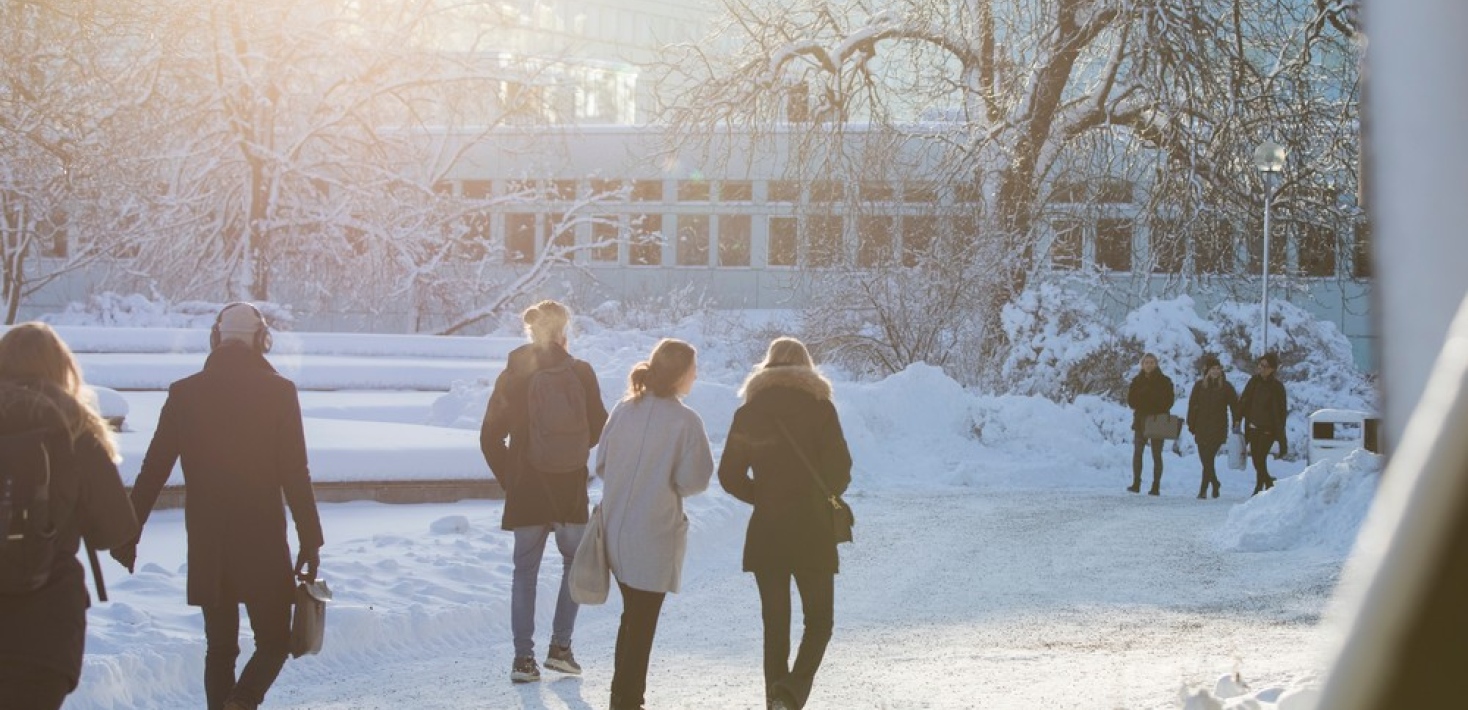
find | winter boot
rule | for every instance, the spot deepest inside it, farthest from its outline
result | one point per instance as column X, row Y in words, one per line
column 524, row 670
column 1215, row 486
column 1136, row 486
column 559, row 658
column 620, row 703
column 238, row 704
column 1156, row 487
column 1203, row 489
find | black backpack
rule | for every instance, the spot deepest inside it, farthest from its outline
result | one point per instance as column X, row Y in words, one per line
column 30, row 546
column 559, row 435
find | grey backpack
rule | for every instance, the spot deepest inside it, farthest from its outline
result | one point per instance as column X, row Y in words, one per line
column 29, row 543
column 560, row 437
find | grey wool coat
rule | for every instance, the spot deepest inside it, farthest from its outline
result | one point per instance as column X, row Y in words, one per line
column 653, row 454
column 790, row 529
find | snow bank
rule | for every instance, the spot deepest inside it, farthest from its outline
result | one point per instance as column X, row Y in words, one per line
column 1323, row 506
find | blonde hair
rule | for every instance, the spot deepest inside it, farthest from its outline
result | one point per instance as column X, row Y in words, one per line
column 546, row 322
column 33, row 351
column 786, row 352
column 661, row 373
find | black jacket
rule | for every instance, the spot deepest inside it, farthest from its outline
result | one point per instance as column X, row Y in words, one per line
column 1211, row 409
column 1148, row 395
column 48, row 627
column 791, row 527
column 533, row 498
column 1264, row 406
column 236, row 427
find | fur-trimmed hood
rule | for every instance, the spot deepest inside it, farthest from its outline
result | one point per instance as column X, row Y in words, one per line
column 804, row 379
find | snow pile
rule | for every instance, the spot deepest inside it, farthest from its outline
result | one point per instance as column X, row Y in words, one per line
column 135, row 310
column 1323, row 506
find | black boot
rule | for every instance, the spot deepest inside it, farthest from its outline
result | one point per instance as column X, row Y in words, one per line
column 1154, row 490
column 1136, row 486
column 1215, row 488
column 1203, row 489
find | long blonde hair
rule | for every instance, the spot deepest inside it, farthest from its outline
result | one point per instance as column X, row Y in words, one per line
column 661, row 373
column 546, row 322
column 33, row 351
column 785, row 352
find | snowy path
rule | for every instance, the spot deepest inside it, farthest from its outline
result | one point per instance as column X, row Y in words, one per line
column 967, row 600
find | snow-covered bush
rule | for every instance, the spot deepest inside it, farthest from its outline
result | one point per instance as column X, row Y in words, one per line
column 1060, row 347
column 138, row 311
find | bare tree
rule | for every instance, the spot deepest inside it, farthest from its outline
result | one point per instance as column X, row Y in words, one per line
column 1019, row 92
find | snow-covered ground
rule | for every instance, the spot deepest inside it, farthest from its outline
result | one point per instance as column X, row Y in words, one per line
column 998, row 562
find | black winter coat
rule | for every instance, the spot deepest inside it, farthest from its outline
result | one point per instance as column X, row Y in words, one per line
column 236, row 427
column 1211, row 409
column 48, row 627
column 1265, row 408
column 1148, row 395
column 533, row 498
column 791, row 526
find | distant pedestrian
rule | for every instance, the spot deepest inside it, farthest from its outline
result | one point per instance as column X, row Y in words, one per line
column 1265, row 408
column 236, row 427
column 787, row 414
column 1213, row 408
column 548, row 405
column 1150, row 393
column 653, row 454
column 43, row 595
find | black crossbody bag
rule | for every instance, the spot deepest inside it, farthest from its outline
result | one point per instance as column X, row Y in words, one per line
column 842, row 519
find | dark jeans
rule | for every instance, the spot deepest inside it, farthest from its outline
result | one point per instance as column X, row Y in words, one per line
column 817, row 600
column 272, row 626
column 1208, row 454
column 1138, row 444
column 1260, row 442
column 32, row 687
column 640, row 612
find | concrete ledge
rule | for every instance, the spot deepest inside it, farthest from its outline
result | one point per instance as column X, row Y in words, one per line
column 437, row 491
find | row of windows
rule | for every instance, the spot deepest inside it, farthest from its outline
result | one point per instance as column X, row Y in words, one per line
column 1108, row 245
column 725, row 191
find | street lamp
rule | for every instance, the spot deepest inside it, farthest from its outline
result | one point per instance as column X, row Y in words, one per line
column 1269, row 159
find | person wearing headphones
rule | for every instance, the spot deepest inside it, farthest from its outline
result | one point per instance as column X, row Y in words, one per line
column 236, row 428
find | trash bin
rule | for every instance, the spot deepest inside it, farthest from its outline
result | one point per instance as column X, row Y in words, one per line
column 1337, row 432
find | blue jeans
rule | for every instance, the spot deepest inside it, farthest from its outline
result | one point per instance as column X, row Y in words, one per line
column 529, row 549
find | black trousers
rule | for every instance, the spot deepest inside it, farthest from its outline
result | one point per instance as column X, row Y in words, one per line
column 817, row 600
column 640, row 611
column 1208, row 454
column 25, row 686
column 1260, row 442
column 272, row 626
column 1138, row 444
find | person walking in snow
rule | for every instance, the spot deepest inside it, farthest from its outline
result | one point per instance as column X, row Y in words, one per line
column 1212, row 407
column 43, row 602
column 548, row 405
column 236, row 427
column 787, row 404
column 653, row 454
column 1150, row 393
column 1264, row 407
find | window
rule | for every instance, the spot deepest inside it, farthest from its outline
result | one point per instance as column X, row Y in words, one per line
column 1278, row 247
column 1361, row 251
column 920, row 192
column 606, row 189
column 1113, row 191
column 474, row 239
column 52, row 235
column 797, row 104
column 647, row 190
column 782, row 241
column 784, row 191
column 1065, row 249
column 645, row 245
column 873, row 241
column 519, row 238
column 736, row 191
column 1215, row 248
column 734, row 231
column 1067, row 192
column 693, row 191
column 918, row 236
column 604, row 230
column 823, row 233
column 1167, row 246
column 826, row 191
column 1114, row 244
column 476, row 189
column 564, row 190
column 876, row 191
column 562, row 230
column 1317, row 250
column 968, row 193
column 693, row 240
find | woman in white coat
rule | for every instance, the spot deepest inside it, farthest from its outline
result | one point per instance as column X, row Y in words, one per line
column 653, row 454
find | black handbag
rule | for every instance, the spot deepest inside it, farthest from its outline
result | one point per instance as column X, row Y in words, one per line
column 308, row 623
column 842, row 519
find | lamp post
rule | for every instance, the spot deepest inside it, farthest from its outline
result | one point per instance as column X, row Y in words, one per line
column 1269, row 159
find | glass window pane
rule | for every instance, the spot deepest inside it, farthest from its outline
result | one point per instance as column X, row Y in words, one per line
column 1114, row 244
column 1317, row 249
column 784, row 191
column 923, row 192
column 693, row 191
column 604, row 238
column 782, row 241
column 645, row 245
column 873, row 241
column 734, row 232
column 1065, row 250
column 1215, row 247
column 519, row 238
column 1361, row 251
column 823, row 241
column 918, row 237
column 736, row 191
column 647, row 190
column 693, row 240
column 1167, row 246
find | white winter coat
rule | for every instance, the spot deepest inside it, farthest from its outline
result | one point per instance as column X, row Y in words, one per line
column 653, row 454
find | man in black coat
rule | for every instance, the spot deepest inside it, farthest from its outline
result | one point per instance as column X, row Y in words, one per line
column 1264, row 406
column 237, row 428
column 1212, row 407
column 1150, row 393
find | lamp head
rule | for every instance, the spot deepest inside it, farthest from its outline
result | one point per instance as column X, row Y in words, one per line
column 1269, row 157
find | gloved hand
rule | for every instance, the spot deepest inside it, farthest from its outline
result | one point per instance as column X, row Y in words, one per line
column 126, row 555
column 1282, row 451
column 308, row 560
